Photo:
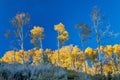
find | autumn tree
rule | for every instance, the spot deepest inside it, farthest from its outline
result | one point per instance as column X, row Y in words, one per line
column 9, row 56
column 84, row 33
column 62, row 37
column 37, row 37
column 102, row 31
column 19, row 22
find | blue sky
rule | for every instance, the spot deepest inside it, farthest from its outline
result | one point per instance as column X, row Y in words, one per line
column 47, row 13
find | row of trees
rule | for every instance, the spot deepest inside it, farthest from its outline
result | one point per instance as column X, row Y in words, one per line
column 70, row 57
column 37, row 33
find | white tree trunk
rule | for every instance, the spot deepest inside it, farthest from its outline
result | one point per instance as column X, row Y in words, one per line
column 58, row 51
column 22, row 43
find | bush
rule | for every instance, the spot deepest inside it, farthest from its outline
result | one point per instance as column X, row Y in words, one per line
column 29, row 72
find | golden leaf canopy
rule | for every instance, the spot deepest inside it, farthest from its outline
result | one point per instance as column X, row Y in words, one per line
column 59, row 27
column 37, row 32
column 116, row 49
column 109, row 49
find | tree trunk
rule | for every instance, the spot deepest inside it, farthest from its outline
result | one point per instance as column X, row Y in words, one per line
column 22, row 44
column 40, row 43
column 98, row 42
column 41, row 47
column 85, row 76
column 58, row 51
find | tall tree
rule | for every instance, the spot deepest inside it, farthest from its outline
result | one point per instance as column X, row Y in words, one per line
column 37, row 37
column 62, row 37
column 84, row 33
column 102, row 31
column 19, row 22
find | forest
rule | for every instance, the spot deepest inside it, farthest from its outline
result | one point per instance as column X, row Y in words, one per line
column 67, row 62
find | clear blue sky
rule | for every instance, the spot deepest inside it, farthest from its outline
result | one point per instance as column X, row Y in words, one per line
column 47, row 13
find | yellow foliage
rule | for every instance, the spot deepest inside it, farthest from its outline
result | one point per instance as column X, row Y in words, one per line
column 71, row 57
column 37, row 56
column 63, row 37
column 89, row 70
column 109, row 49
column 12, row 56
column 9, row 57
column 37, row 31
column 89, row 51
column 49, row 53
column 116, row 49
column 78, row 64
column 107, row 68
column 59, row 27
column 63, row 34
column 75, row 50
